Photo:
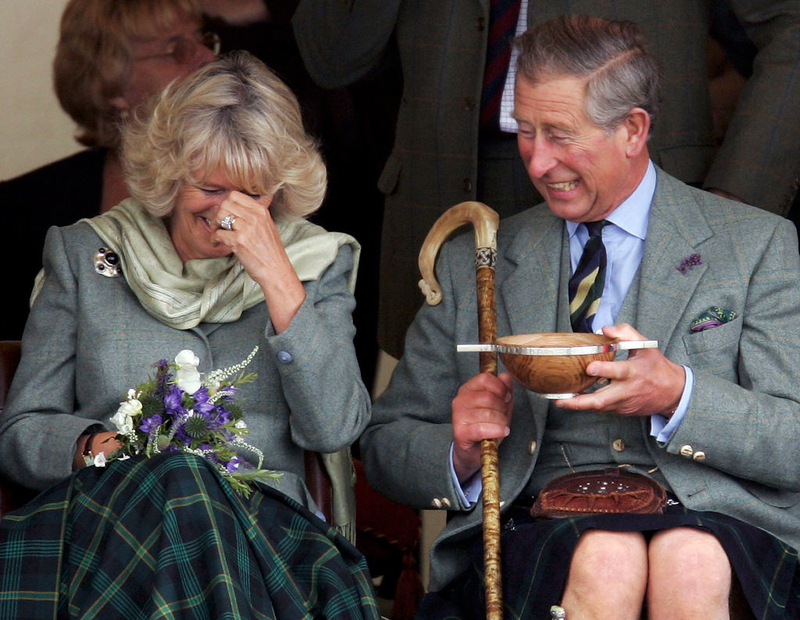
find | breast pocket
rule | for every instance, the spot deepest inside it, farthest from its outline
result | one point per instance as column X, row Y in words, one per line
column 715, row 350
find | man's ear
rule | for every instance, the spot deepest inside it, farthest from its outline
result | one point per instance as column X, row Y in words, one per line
column 637, row 125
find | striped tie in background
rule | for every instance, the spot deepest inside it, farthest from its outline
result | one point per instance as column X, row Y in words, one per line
column 586, row 284
column 503, row 17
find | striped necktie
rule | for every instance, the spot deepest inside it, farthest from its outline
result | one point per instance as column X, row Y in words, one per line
column 586, row 284
column 503, row 16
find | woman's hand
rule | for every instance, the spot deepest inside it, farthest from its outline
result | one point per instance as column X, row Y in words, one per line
column 105, row 442
column 481, row 410
column 255, row 240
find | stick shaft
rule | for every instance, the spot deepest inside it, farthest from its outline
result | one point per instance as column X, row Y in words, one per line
column 490, row 475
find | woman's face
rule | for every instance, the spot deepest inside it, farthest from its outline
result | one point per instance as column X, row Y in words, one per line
column 173, row 54
column 194, row 219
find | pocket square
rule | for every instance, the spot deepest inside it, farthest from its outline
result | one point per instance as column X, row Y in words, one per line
column 713, row 317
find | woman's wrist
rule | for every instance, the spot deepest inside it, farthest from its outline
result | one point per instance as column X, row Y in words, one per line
column 92, row 444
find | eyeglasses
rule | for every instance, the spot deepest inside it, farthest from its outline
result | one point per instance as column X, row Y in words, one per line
column 184, row 49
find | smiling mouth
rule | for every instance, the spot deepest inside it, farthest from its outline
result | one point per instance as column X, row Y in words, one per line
column 564, row 186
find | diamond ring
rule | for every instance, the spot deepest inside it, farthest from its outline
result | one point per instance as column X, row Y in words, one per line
column 227, row 222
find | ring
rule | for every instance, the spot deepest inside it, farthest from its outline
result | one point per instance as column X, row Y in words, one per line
column 227, row 222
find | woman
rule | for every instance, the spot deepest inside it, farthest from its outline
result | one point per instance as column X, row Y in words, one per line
column 212, row 255
column 112, row 56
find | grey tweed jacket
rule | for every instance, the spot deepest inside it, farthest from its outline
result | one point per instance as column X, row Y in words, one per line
column 735, row 451
column 88, row 340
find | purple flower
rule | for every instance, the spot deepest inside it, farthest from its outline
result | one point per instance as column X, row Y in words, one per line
column 233, row 464
column 172, row 402
column 689, row 263
column 151, row 424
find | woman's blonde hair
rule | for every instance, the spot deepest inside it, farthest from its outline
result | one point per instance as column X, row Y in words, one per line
column 232, row 116
column 94, row 57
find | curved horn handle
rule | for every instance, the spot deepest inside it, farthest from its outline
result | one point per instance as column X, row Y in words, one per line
column 483, row 218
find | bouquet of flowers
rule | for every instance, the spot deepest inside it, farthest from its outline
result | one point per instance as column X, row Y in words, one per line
column 178, row 409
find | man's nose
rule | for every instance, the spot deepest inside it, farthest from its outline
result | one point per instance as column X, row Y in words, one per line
column 542, row 158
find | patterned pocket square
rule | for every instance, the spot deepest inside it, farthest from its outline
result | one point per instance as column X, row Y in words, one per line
column 713, row 317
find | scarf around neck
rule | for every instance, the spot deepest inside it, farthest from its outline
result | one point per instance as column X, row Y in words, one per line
column 210, row 290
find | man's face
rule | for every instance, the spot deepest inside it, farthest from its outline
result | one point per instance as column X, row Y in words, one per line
column 581, row 170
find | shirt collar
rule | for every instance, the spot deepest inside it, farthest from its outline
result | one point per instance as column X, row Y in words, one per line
column 633, row 214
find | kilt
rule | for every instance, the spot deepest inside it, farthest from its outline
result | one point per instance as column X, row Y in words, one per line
column 536, row 557
column 167, row 537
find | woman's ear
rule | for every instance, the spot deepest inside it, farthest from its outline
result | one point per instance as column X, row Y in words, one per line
column 637, row 125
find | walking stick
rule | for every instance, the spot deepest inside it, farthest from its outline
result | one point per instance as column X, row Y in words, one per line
column 485, row 221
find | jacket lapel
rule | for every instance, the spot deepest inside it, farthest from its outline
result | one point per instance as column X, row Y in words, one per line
column 675, row 230
column 529, row 275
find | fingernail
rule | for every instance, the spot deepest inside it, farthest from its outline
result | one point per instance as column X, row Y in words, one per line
column 509, row 396
column 507, row 432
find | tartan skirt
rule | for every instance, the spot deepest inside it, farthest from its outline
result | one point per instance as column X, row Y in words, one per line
column 536, row 556
column 167, row 537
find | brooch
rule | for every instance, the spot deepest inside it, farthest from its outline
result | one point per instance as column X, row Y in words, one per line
column 106, row 263
column 688, row 263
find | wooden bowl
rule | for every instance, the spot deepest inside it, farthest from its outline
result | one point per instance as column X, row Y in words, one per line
column 554, row 364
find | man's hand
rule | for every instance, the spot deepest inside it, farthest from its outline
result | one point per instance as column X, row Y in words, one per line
column 645, row 384
column 481, row 410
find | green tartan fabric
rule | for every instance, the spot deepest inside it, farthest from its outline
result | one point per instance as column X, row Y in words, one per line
column 166, row 537
column 537, row 555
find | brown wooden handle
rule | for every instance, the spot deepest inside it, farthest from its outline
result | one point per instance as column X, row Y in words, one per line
column 485, row 221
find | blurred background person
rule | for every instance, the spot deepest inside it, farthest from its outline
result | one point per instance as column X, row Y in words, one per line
column 112, row 55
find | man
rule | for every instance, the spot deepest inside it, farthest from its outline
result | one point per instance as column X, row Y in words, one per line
column 706, row 414
column 443, row 155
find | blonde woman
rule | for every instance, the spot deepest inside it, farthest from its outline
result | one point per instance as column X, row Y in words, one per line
column 211, row 255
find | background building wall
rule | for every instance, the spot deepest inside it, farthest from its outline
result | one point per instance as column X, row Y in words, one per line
column 33, row 128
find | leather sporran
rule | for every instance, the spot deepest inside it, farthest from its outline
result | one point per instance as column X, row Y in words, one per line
column 609, row 491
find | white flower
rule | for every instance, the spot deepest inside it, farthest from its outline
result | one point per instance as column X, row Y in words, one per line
column 100, row 460
column 187, row 378
column 123, row 418
column 187, row 358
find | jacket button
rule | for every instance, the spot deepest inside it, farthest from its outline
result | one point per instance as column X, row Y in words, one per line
column 687, row 450
column 467, row 186
column 618, row 445
column 480, row 24
column 699, row 456
column 284, row 357
column 469, row 103
column 437, row 503
column 445, row 503
column 532, row 447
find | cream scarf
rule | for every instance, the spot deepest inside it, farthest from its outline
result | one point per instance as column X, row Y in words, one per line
column 212, row 290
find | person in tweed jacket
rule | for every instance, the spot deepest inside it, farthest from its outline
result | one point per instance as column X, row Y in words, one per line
column 711, row 415
column 212, row 255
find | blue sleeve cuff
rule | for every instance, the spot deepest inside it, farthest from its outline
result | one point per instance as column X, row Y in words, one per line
column 662, row 428
column 469, row 493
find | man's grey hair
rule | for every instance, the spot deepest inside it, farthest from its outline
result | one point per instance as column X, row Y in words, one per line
column 620, row 73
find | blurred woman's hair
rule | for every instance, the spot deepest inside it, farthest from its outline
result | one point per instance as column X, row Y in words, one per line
column 94, row 57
